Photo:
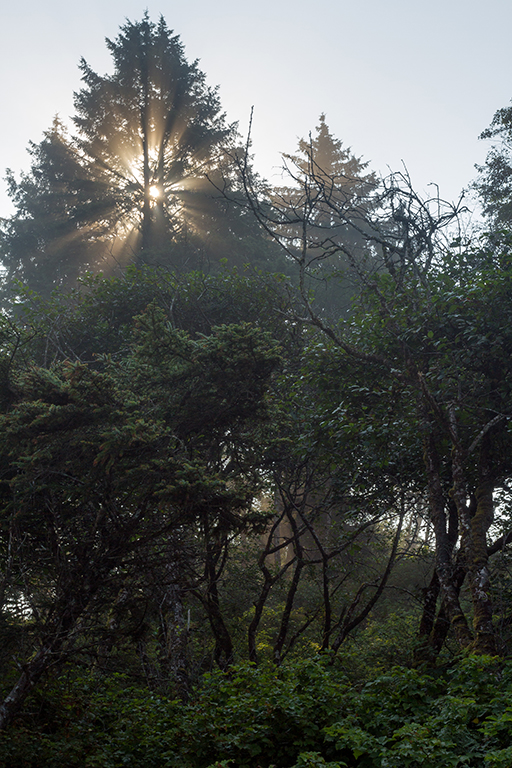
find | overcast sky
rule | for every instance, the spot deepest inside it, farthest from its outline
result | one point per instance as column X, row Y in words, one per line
column 400, row 81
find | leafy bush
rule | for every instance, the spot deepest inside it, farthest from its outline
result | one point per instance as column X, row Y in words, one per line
column 302, row 715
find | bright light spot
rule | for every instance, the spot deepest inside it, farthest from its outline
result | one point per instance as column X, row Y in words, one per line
column 154, row 192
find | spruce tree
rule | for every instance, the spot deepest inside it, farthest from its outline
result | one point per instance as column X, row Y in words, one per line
column 331, row 196
column 134, row 182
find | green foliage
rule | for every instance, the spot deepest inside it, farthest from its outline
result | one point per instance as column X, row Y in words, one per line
column 98, row 318
column 302, row 715
column 261, row 715
column 386, row 640
column 251, row 717
column 152, row 455
column 406, row 718
column 494, row 183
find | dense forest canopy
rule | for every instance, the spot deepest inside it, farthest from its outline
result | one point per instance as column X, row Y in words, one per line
column 254, row 446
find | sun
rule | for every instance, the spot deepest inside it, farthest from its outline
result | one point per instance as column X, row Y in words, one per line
column 154, row 192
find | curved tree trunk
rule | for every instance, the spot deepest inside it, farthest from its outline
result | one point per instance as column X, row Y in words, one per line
column 60, row 629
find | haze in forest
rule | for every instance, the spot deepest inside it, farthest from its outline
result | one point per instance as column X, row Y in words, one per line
column 255, row 441
column 398, row 81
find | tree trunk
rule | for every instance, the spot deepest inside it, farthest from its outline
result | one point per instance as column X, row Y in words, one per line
column 30, row 676
column 350, row 619
column 434, row 628
column 60, row 628
column 176, row 640
column 259, row 605
column 224, row 653
column 292, row 589
column 485, row 641
column 445, row 567
column 423, row 653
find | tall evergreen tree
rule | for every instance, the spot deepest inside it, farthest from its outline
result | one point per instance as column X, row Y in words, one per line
column 134, row 182
column 56, row 232
column 494, row 183
column 325, row 156
column 339, row 183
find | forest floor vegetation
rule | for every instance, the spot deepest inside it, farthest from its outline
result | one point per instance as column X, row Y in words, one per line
column 301, row 715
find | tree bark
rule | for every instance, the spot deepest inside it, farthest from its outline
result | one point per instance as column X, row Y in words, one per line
column 32, row 672
column 60, row 626
column 423, row 653
column 485, row 642
column 224, row 652
column 174, row 638
column 445, row 567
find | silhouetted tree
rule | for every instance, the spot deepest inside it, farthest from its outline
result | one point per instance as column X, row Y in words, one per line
column 494, row 184
column 432, row 322
column 327, row 174
column 133, row 184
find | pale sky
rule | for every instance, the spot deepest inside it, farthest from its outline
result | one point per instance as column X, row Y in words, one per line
column 400, row 81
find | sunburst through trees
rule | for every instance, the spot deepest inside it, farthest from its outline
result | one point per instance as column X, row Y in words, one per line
column 132, row 183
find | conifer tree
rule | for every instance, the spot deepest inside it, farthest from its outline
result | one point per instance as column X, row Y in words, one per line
column 494, row 183
column 133, row 184
column 341, row 186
